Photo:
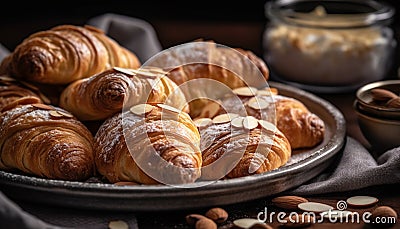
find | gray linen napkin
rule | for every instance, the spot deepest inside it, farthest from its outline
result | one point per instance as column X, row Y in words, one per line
column 355, row 168
column 132, row 33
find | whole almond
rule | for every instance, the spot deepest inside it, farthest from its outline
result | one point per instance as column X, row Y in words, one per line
column 218, row 215
column 288, row 202
column 394, row 103
column 382, row 95
column 205, row 223
column 193, row 218
column 382, row 212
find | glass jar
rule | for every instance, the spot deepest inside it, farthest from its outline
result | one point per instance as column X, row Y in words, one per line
column 329, row 42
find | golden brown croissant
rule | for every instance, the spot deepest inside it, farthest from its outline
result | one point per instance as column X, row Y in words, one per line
column 104, row 94
column 235, row 146
column 206, row 60
column 45, row 141
column 302, row 127
column 149, row 144
column 11, row 90
column 66, row 53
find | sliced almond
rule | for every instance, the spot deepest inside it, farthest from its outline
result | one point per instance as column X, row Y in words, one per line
column 362, row 201
column 141, row 109
column 394, row 103
column 382, row 95
column 65, row 114
column 245, row 91
column 257, row 103
column 202, row 122
column 267, row 125
column 118, row 224
column 249, row 122
column 210, row 110
column 124, row 71
column 146, row 73
column 168, row 108
column 154, row 69
column 55, row 114
column 42, row 106
column 237, row 122
column 314, row 207
column 288, row 202
column 224, row 118
column 6, row 78
column 245, row 222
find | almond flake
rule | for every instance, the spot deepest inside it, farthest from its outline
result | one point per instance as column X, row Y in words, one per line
column 245, row 222
column 237, row 122
column 168, row 108
column 210, row 110
column 267, row 125
column 245, row 91
column 154, row 69
column 202, row 122
column 124, row 71
column 314, row 207
column 42, row 106
column 223, row 118
column 29, row 85
column 118, row 224
column 146, row 73
column 362, row 201
column 6, row 78
column 65, row 114
column 249, row 122
column 257, row 103
column 55, row 114
column 141, row 109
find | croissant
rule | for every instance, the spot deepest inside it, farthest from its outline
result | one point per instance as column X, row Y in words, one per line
column 45, row 141
column 11, row 90
column 66, row 53
column 205, row 60
column 104, row 94
column 235, row 146
column 149, row 144
column 303, row 128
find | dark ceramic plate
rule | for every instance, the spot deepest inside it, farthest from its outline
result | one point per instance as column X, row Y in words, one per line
column 87, row 195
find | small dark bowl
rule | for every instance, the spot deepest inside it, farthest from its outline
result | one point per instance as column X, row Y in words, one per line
column 365, row 104
column 382, row 133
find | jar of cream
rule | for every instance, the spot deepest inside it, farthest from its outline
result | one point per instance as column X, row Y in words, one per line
column 329, row 42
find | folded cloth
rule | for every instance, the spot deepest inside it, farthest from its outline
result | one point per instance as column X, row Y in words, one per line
column 132, row 33
column 354, row 169
column 3, row 52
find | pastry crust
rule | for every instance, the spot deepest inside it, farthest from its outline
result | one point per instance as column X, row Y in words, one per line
column 238, row 152
column 159, row 146
column 106, row 93
column 66, row 53
column 303, row 128
column 45, row 141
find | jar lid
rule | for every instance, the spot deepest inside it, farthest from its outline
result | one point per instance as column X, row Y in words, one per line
column 330, row 13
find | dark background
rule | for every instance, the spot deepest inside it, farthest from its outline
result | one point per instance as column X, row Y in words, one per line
column 232, row 23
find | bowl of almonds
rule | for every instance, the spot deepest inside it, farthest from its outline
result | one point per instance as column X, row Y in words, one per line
column 377, row 106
